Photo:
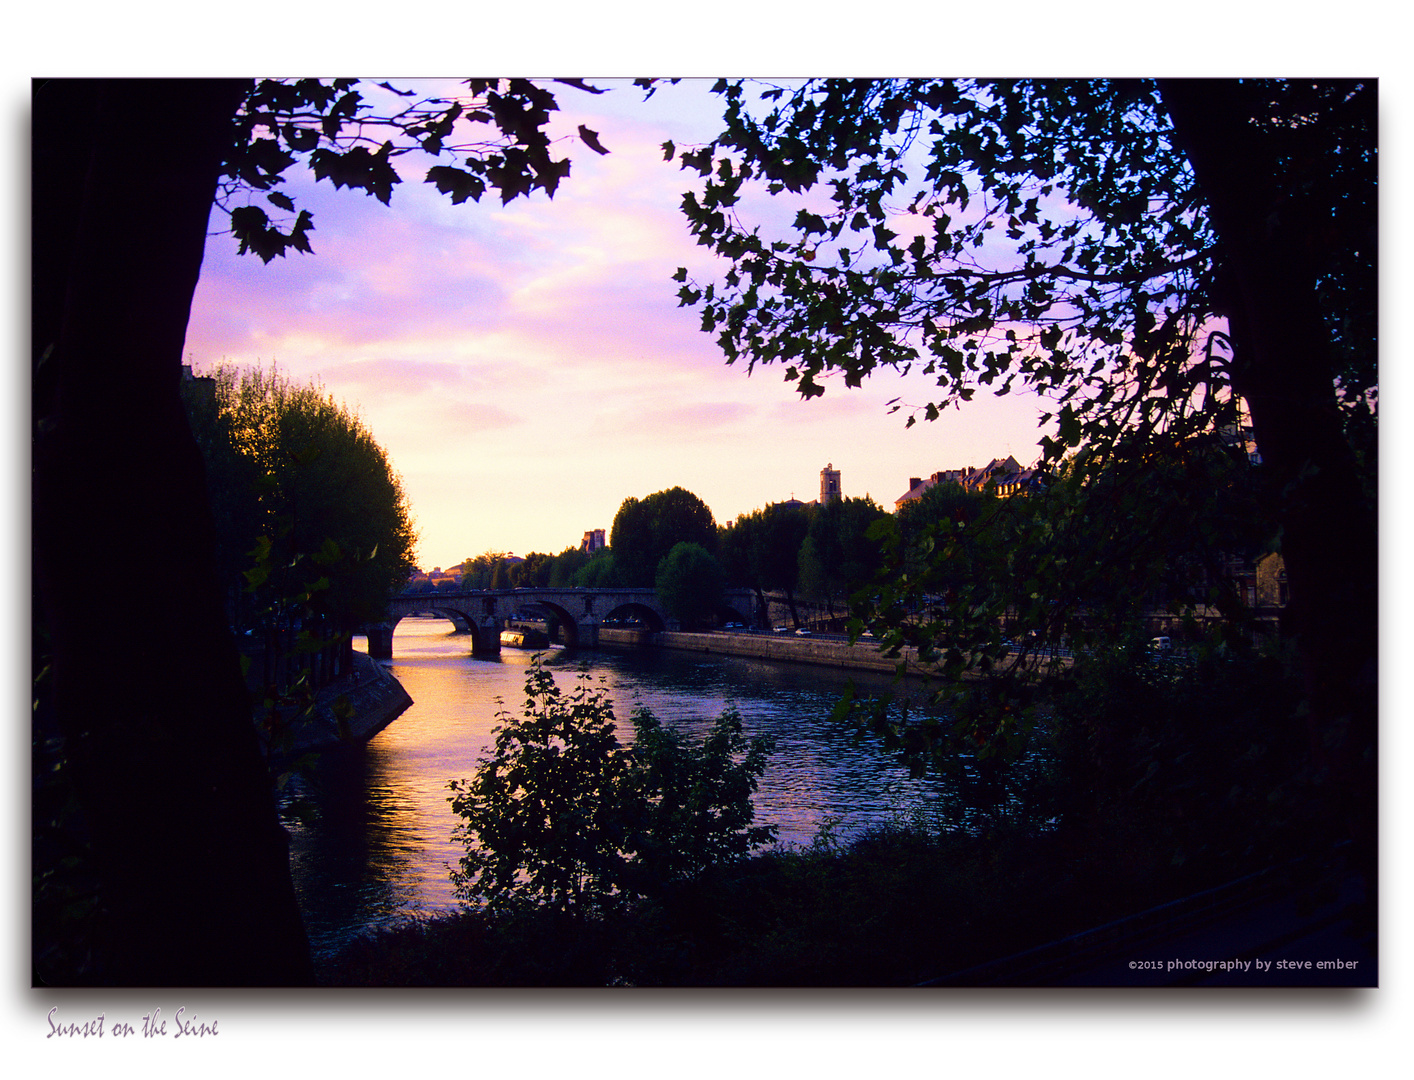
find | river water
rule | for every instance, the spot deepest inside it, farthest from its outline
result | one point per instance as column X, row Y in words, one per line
column 377, row 846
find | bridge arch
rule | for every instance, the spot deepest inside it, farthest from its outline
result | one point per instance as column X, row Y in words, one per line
column 741, row 613
column 568, row 625
column 640, row 612
column 455, row 616
column 484, row 612
column 485, row 640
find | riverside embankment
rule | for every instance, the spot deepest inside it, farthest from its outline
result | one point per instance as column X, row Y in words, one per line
column 350, row 710
column 862, row 655
column 824, row 652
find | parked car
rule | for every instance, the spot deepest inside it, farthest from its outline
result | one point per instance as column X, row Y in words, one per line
column 781, row 630
column 804, row 631
column 1161, row 644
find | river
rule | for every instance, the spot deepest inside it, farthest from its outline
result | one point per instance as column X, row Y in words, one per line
column 376, row 844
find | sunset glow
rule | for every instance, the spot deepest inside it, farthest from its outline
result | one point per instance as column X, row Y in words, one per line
column 527, row 367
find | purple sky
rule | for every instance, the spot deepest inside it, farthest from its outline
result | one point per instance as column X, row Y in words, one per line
column 527, row 368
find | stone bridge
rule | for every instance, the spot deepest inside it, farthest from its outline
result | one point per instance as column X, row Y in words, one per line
column 484, row 613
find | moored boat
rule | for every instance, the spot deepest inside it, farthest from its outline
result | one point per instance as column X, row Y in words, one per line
column 516, row 637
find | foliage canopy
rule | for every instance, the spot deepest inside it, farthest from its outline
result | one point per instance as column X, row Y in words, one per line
column 299, row 479
column 351, row 132
column 838, row 554
column 1041, row 233
column 561, row 814
column 489, row 570
column 689, row 582
column 1079, row 238
column 761, row 550
column 1182, row 268
column 646, row 529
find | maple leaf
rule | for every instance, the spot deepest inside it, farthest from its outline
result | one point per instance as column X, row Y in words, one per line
column 591, row 140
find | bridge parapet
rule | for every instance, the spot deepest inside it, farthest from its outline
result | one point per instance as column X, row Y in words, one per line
column 485, row 612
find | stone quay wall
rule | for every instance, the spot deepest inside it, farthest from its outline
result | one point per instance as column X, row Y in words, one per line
column 861, row 656
column 375, row 697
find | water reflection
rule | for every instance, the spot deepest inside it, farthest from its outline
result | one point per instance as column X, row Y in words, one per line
column 379, row 845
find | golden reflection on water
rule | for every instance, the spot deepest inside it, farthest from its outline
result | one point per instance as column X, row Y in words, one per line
column 381, row 846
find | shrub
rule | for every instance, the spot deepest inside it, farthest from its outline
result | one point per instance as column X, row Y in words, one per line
column 562, row 815
column 1185, row 755
column 691, row 804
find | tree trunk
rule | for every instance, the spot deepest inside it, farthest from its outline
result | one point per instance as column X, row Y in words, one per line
column 147, row 691
column 1286, row 372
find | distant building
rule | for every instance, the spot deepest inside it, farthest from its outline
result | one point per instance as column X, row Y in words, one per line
column 197, row 391
column 829, row 491
column 1269, row 588
column 1005, row 474
column 593, row 541
column 432, row 580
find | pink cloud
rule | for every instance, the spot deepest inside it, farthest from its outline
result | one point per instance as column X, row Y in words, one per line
column 527, row 367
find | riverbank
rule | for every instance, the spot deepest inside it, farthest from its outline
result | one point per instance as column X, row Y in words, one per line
column 903, row 907
column 860, row 656
column 350, row 710
column 821, row 652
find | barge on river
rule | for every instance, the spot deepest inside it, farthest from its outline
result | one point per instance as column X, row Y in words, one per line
column 524, row 638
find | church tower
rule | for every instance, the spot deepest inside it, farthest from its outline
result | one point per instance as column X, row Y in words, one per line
column 829, row 485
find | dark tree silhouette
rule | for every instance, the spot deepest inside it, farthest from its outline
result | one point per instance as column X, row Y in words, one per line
column 1289, row 179
column 188, row 859
column 646, row 529
column 189, row 856
column 761, row 549
column 689, row 582
column 1082, row 238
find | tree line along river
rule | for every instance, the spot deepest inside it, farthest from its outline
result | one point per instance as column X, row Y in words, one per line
column 377, row 846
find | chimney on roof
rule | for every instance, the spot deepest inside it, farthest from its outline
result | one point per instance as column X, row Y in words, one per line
column 913, row 482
